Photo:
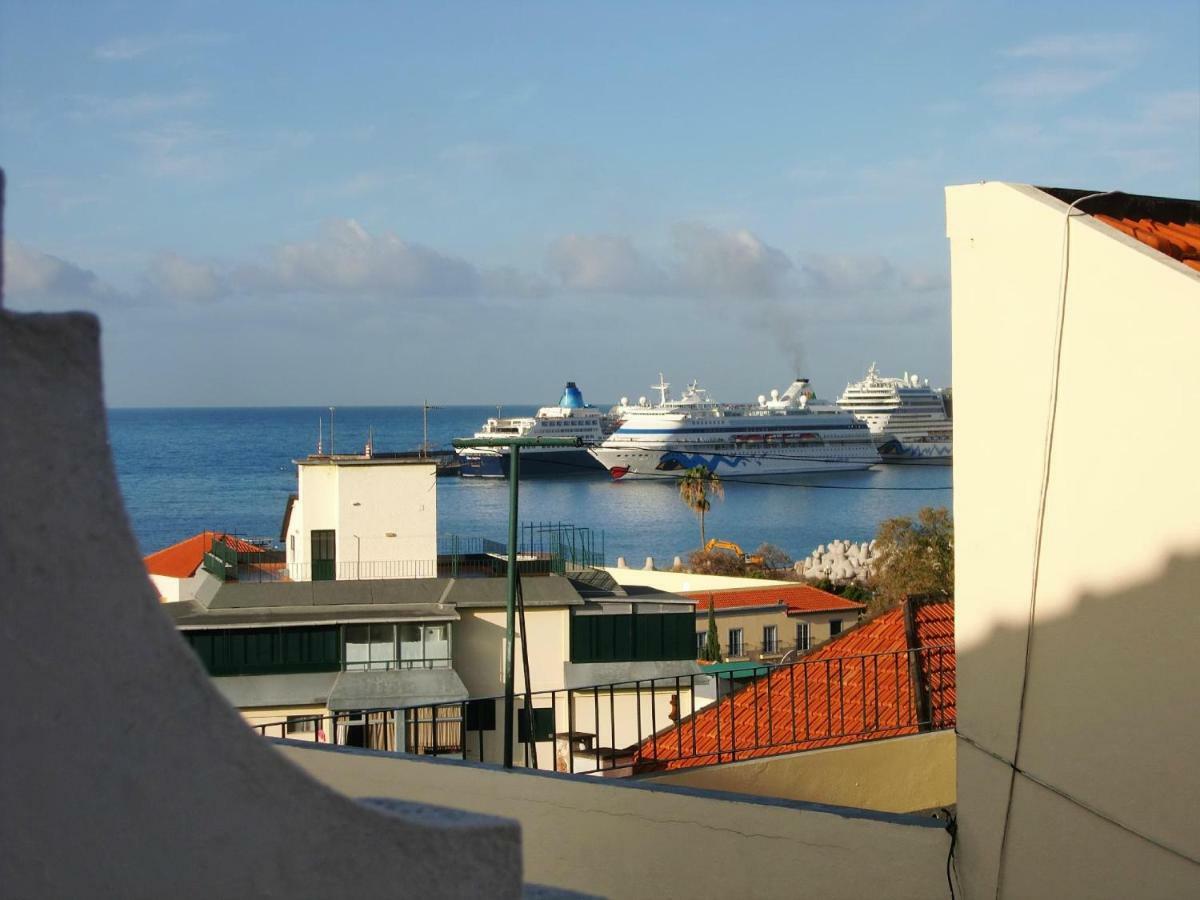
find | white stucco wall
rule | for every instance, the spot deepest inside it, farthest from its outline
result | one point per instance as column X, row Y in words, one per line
column 384, row 514
column 612, row 839
column 680, row 582
column 1114, row 679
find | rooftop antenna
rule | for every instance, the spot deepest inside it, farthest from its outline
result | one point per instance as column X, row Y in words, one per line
column 425, row 408
column 320, row 433
column 331, row 449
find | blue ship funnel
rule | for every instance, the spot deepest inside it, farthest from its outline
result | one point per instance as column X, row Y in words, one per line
column 572, row 398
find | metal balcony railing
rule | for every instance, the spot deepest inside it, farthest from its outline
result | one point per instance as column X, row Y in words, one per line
column 628, row 727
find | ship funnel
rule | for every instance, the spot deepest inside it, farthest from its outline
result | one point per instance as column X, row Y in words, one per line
column 572, row 397
column 796, row 389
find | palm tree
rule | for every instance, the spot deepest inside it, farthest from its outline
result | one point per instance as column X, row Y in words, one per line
column 694, row 487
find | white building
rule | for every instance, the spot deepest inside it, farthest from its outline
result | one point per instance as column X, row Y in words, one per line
column 362, row 517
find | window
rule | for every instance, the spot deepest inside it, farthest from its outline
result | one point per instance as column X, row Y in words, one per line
column 376, row 646
column 735, row 642
column 543, row 723
column 835, row 627
column 301, row 724
column 625, row 637
column 264, row 651
column 803, row 640
column 770, row 638
column 701, row 640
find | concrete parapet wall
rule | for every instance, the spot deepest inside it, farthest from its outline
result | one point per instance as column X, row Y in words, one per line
column 631, row 840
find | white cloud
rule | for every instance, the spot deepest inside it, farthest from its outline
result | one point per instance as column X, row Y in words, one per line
column 603, row 264
column 706, row 261
column 31, row 274
column 1061, row 66
column 346, row 259
column 172, row 276
column 1117, row 47
column 728, row 263
column 838, row 275
column 129, row 47
column 1050, row 83
column 182, row 149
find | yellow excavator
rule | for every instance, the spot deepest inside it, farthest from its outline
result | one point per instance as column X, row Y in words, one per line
column 750, row 559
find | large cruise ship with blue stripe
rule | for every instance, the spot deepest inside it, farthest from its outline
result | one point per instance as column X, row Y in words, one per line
column 785, row 434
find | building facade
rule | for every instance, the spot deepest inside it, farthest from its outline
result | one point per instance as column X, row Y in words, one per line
column 360, row 517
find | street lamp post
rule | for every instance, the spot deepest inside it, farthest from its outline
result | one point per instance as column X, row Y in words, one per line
column 514, row 446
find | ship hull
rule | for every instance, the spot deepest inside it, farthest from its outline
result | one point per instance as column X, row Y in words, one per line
column 922, row 453
column 536, row 462
column 665, row 462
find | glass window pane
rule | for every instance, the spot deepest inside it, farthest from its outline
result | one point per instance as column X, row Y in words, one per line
column 437, row 642
column 410, row 642
column 358, row 651
column 383, row 645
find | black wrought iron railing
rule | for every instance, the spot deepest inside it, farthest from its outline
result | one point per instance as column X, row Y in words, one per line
column 647, row 725
column 544, row 548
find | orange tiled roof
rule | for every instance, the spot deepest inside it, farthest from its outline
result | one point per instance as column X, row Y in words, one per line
column 1179, row 240
column 798, row 598
column 855, row 688
column 183, row 559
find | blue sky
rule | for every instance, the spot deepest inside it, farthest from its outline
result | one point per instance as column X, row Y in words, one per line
column 291, row 203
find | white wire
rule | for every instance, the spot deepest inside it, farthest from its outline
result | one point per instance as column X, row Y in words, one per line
column 1040, row 521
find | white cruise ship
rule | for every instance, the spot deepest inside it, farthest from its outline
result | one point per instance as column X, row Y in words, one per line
column 784, row 435
column 572, row 418
column 906, row 416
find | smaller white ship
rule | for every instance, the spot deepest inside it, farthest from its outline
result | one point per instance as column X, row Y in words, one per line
column 907, row 418
column 572, row 418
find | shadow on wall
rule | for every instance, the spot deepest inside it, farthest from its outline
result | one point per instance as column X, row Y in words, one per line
column 1105, row 802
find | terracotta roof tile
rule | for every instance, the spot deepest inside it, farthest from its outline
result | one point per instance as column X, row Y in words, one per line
column 1179, row 240
column 857, row 687
column 183, row 559
column 797, row 598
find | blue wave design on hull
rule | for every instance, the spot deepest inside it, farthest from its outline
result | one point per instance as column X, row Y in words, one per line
column 674, row 460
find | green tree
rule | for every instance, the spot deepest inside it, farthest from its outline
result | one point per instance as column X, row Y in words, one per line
column 712, row 642
column 694, row 489
column 915, row 558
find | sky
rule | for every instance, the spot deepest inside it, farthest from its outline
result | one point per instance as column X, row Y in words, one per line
column 358, row 204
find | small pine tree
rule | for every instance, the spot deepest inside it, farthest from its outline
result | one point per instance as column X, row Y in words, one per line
column 712, row 643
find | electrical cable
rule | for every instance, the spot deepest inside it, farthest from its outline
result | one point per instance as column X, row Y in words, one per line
column 952, row 829
column 1039, row 526
column 1075, row 801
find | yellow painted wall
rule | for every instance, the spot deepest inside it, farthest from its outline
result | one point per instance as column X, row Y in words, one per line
column 1114, row 677
column 897, row 775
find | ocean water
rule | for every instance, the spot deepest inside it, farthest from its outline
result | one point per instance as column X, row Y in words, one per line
column 185, row 470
